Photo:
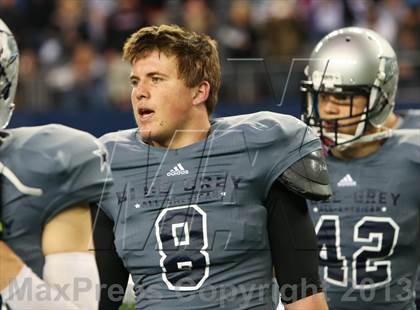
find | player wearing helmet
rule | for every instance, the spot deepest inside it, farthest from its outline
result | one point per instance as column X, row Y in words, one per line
column 358, row 69
column 368, row 232
column 49, row 175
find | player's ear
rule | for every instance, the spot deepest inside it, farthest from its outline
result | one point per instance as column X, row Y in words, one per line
column 201, row 93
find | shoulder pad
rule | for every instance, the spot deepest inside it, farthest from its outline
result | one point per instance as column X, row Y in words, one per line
column 123, row 148
column 308, row 177
column 278, row 140
column 69, row 165
column 122, row 136
column 267, row 128
column 56, row 148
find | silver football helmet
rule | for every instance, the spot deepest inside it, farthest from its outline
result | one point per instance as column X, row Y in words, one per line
column 9, row 67
column 351, row 61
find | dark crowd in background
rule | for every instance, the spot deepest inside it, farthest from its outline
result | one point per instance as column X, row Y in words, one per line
column 71, row 49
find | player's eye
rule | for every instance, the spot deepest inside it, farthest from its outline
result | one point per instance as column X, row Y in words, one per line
column 324, row 97
column 335, row 98
column 156, row 79
column 134, row 82
column 341, row 97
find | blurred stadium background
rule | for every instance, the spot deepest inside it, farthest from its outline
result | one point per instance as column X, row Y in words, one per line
column 71, row 70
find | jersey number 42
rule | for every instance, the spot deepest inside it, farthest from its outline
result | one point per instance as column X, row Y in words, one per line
column 370, row 263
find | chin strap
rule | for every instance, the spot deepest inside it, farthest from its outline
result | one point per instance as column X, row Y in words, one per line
column 342, row 138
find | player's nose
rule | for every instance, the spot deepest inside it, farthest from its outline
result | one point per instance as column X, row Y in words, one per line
column 141, row 91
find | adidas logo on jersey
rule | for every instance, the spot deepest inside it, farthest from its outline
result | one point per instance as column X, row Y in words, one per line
column 177, row 170
column 347, row 181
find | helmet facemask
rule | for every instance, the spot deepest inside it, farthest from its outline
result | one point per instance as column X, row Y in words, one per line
column 330, row 129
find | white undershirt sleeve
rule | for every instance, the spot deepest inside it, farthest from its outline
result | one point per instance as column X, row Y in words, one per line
column 70, row 281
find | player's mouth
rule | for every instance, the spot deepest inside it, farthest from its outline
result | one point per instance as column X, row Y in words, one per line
column 145, row 114
column 329, row 125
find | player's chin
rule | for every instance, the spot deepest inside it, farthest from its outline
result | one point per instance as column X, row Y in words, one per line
column 146, row 126
column 145, row 132
column 346, row 128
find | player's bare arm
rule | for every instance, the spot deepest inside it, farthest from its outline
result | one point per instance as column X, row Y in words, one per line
column 69, row 231
column 313, row 302
column 10, row 265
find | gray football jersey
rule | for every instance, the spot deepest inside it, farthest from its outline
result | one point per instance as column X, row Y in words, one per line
column 368, row 232
column 46, row 170
column 190, row 223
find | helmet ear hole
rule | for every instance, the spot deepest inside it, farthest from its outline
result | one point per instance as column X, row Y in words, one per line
column 380, row 112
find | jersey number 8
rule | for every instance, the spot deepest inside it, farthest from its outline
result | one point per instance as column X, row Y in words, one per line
column 181, row 233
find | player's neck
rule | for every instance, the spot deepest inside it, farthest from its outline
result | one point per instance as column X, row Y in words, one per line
column 359, row 150
column 194, row 133
column 392, row 121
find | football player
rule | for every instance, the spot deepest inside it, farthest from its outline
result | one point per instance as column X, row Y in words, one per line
column 49, row 175
column 368, row 232
column 197, row 202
